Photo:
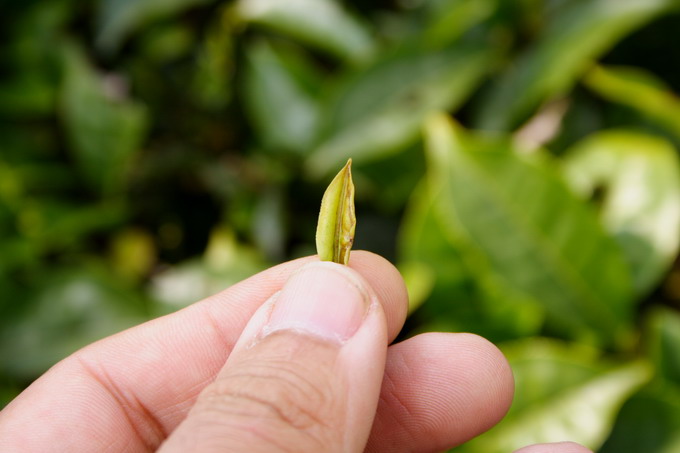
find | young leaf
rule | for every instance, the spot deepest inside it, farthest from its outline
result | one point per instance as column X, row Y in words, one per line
column 335, row 230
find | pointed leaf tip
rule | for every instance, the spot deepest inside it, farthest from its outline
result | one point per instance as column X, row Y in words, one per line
column 337, row 220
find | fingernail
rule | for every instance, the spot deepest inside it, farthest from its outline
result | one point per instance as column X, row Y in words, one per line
column 323, row 299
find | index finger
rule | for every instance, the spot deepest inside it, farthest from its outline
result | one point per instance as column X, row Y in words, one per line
column 129, row 391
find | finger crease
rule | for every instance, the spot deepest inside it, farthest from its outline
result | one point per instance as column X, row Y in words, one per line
column 131, row 407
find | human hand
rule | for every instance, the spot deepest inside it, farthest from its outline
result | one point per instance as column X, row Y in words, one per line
column 295, row 358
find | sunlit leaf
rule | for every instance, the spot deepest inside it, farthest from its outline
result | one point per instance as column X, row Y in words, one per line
column 561, row 393
column 533, row 232
column 565, row 49
column 104, row 129
column 638, row 176
column 381, row 110
column 324, row 24
column 224, row 263
column 640, row 90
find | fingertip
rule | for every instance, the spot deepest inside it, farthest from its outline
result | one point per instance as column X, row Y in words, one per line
column 440, row 390
column 490, row 362
column 387, row 284
column 482, row 373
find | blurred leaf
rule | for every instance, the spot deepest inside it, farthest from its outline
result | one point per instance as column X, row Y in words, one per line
column 215, row 66
column 580, row 33
column 323, row 24
column 562, row 392
column 422, row 243
column 419, row 279
column 381, row 109
column 284, row 112
column 649, row 422
column 133, row 253
column 166, row 42
column 640, row 90
column 449, row 19
column 71, row 308
column 48, row 226
column 104, row 129
column 461, row 293
column 535, row 235
column 224, row 263
column 62, row 223
column 639, row 176
column 269, row 224
column 28, row 96
column 117, row 19
column 29, row 74
column 8, row 391
column 663, row 343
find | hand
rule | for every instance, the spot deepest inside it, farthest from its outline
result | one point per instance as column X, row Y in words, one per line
column 295, row 358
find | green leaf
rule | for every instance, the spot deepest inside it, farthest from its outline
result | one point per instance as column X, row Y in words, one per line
column 663, row 343
column 649, row 422
column 284, row 112
column 449, row 19
column 71, row 308
column 583, row 31
column 455, row 289
column 425, row 252
column 380, row 110
column 562, row 393
column 639, row 175
column 534, row 233
column 104, row 129
column 323, row 24
column 269, row 222
column 117, row 19
column 640, row 90
column 337, row 221
column 31, row 40
column 224, row 263
column 212, row 81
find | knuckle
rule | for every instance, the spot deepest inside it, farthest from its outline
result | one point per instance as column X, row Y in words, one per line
column 275, row 399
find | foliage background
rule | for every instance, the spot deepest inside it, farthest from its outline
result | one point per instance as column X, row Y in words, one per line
column 153, row 152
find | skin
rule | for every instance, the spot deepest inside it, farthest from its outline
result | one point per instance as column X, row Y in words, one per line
column 207, row 378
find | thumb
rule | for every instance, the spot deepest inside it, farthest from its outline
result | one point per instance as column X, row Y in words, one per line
column 304, row 376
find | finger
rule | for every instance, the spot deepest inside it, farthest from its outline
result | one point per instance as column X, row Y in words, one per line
column 559, row 447
column 305, row 374
column 440, row 390
column 140, row 384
